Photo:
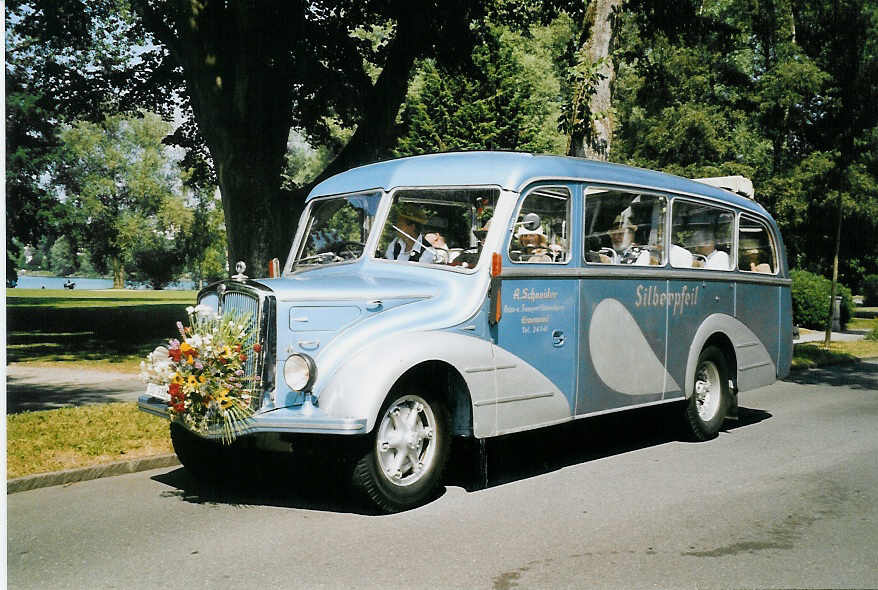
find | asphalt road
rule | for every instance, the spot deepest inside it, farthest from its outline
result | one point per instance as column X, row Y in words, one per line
column 788, row 497
column 30, row 388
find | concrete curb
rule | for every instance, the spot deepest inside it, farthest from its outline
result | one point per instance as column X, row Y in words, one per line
column 44, row 480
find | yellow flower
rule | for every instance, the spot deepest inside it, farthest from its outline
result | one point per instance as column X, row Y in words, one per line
column 202, row 378
column 227, row 350
column 185, row 348
column 178, row 379
column 192, row 382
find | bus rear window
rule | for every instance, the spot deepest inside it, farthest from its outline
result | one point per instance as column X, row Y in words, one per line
column 755, row 247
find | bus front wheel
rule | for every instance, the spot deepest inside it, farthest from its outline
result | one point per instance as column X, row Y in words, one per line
column 707, row 406
column 406, row 453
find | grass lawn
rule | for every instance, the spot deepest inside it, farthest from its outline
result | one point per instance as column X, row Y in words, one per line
column 106, row 329
column 862, row 324
column 66, row 438
column 812, row 354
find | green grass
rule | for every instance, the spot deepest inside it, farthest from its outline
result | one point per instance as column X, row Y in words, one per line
column 67, row 438
column 862, row 324
column 812, row 354
column 112, row 329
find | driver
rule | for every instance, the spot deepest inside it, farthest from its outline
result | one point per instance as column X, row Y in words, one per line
column 409, row 245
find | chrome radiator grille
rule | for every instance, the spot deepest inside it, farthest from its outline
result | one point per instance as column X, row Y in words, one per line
column 246, row 306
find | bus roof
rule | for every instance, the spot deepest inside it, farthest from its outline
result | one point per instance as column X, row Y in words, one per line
column 512, row 171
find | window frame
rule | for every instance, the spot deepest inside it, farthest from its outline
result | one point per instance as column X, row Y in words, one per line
column 568, row 215
column 630, row 190
column 733, row 254
column 772, row 244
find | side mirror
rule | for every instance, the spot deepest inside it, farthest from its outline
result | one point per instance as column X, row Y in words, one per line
column 531, row 221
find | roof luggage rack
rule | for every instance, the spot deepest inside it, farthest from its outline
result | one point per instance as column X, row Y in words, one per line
column 736, row 184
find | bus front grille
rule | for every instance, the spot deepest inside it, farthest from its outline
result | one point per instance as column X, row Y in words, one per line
column 246, row 307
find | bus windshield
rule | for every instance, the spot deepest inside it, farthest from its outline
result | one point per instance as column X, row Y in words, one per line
column 337, row 228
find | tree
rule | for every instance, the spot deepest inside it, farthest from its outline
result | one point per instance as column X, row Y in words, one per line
column 589, row 117
column 245, row 73
column 254, row 70
column 498, row 103
column 124, row 187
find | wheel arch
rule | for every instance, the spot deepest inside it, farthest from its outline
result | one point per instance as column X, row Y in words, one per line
column 443, row 380
column 361, row 385
column 717, row 330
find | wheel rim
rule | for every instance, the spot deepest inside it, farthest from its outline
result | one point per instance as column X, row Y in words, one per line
column 405, row 442
column 708, row 390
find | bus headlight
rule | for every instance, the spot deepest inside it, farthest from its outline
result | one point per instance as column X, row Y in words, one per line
column 300, row 372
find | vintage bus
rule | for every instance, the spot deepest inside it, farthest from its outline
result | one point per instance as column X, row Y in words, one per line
column 485, row 293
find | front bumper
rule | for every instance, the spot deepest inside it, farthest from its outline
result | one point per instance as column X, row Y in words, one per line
column 302, row 419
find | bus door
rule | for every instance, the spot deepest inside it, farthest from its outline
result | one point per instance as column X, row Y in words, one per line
column 623, row 301
column 537, row 332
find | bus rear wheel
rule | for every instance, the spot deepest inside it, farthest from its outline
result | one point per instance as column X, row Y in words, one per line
column 707, row 406
column 406, row 454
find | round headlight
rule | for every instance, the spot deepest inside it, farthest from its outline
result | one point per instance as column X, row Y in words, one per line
column 300, row 372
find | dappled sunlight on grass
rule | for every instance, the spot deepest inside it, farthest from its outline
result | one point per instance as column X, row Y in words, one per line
column 93, row 329
column 67, row 438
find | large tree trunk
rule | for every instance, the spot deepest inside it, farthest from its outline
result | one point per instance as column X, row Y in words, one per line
column 118, row 273
column 593, row 139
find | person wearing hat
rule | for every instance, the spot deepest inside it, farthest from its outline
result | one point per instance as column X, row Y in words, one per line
column 409, row 245
column 705, row 246
column 625, row 251
column 534, row 245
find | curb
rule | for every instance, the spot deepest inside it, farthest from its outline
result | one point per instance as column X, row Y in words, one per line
column 43, row 480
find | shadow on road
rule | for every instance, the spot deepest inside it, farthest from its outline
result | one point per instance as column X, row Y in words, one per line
column 22, row 396
column 277, row 480
column 862, row 375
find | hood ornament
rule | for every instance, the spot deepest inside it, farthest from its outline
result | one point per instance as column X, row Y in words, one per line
column 240, row 266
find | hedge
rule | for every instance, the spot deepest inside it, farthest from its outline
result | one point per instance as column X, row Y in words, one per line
column 811, row 300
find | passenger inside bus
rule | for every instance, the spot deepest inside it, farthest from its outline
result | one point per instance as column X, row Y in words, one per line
column 708, row 256
column 750, row 254
column 533, row 245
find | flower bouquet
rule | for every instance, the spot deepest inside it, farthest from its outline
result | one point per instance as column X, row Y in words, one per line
column 202, row 374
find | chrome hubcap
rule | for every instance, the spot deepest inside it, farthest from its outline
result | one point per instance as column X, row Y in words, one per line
column 708, row 390
column 405, row 440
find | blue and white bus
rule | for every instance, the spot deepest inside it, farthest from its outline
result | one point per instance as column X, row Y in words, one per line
column 484, row 293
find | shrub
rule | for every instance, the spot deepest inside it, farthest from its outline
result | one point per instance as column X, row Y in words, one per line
column 870, row 291
column 811, row 300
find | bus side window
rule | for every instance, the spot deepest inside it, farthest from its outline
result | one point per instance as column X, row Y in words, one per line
column 550, row 242
column 624, row 227
column 755, row 247
column 701, row 236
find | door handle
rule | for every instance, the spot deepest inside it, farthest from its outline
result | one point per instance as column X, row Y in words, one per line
column 558, row 338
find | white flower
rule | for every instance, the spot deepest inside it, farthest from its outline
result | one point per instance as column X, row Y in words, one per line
column 203, row 310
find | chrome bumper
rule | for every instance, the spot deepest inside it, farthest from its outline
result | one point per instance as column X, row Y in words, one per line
column 302, row 419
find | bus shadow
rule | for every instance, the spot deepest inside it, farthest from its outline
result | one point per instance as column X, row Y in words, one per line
column 529, row 454
column 278, row 482
column 322, row 484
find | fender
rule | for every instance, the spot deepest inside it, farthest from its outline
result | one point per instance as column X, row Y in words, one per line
column 360, row 386
column 755, row 367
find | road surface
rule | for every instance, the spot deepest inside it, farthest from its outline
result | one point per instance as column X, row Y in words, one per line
column 788, row 497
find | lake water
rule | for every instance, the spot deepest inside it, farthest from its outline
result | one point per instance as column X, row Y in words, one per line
column 31, row 282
